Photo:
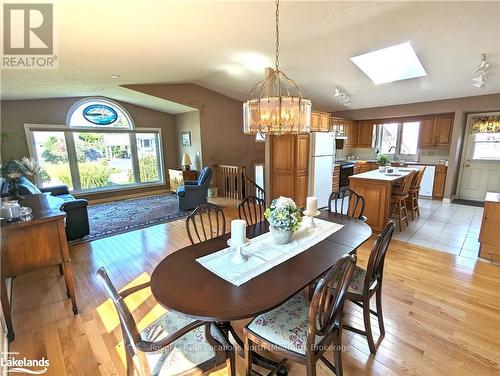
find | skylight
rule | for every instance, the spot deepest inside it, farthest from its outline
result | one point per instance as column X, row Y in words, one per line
column 394, row 63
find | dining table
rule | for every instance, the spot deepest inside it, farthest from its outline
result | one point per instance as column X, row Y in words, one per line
column 181, row 284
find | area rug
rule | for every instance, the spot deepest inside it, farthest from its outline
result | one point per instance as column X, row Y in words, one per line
column 126, row 215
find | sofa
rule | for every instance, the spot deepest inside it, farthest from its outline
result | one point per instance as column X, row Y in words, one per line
column 77, row 219
column 194, row 193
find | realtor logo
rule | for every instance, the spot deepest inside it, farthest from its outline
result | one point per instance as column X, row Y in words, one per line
column 28, row 36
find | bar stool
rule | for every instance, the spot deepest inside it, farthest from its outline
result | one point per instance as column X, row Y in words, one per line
column 398, row 199
column 413, row 195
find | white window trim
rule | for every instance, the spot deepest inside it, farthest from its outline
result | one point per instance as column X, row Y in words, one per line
column 30, row 128
column 399, row 139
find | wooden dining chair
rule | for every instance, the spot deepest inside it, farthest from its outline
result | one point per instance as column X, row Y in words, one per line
column 301, row 330
column 398, row 200
column 347, row 202
column 413, row 194
column 366, row 283
column 252, row 209
column 205, row 222
column 173, row 344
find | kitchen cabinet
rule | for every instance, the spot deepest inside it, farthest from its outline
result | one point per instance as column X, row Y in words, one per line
column 367, row 166
column 351, row 132
column 320, row 121
column 436, row 131
column 489, row 236
column 289, row 167
column 439, row 181
column 365, row 134
column 444, row 130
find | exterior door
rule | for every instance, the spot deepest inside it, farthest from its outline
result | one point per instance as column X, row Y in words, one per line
column 481, row 165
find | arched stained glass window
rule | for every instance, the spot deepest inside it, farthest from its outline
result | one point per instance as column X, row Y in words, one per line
column 98, row 112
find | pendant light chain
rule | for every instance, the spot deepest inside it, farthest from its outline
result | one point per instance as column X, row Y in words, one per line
column 277, row 34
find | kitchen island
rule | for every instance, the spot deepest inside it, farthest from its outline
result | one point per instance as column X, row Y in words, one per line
column 376, row 188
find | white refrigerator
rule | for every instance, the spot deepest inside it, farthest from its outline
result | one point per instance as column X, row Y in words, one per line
column 322, row 158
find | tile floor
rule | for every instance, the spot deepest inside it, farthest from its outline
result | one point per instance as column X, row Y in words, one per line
column 445, row 227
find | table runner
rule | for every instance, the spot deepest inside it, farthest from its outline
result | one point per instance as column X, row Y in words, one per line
column 263, row 254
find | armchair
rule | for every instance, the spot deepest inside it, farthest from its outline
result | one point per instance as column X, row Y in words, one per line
column 194, row 193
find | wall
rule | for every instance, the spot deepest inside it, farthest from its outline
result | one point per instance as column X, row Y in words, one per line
column 16, row 113
column 189, row 122
column 221, row 123
column 460, row 106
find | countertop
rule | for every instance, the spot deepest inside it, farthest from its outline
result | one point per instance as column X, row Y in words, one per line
column 376, row 175
column 395, row 162
column 492, row 197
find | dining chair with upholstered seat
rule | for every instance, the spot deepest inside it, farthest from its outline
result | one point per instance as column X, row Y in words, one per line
column 252, row 209
column 347, row 202
column 173, row 344
column 399, row 196
column 205, row 222
column 366, row 283
column 301, row 330
column 413, row 194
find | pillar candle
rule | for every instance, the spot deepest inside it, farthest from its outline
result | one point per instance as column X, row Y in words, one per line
column 311, row 205
column 238, row 232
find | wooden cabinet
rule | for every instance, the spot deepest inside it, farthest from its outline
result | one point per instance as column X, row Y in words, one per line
column 427, row 132
column 489, row 236
column 336, row 178
column 365, row 134
column 320, row 121
column 436, row 131
column 177, row 177
column 366, row 166
column 439, row 181
column 29, row 246
column 444, row 130
column 289, row 167
column 351, row 132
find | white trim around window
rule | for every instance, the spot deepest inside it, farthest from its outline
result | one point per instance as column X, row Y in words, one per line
column 72, row 153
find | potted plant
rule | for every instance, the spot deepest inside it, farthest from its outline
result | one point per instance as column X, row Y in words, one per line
column 382, row 161
column 284, row 219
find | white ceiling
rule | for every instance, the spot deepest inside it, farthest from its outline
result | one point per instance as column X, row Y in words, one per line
column 225, row 46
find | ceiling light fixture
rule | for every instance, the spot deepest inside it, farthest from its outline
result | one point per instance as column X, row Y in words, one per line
column 115, row 76
column 481, row 73
column 343, row 97
column 276, row 105
column 395, row 63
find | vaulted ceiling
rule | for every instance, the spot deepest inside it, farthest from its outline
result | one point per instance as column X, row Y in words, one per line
column 225, row 46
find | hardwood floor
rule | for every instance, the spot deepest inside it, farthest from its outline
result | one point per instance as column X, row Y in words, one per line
column 442, row 312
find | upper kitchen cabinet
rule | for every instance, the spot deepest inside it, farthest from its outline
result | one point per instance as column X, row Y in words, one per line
column 351, row 132
column 365, row 134
column 436, row 131
column 444, row 130
column 320, row 121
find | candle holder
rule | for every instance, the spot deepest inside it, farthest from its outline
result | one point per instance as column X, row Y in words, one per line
column 239, row 257
column 310, row 223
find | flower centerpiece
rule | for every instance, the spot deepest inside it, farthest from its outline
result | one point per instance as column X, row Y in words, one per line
column 382, row 161
column 284, row 219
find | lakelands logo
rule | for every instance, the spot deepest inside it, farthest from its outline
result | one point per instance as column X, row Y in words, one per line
column 31, row 366
column 28, row 36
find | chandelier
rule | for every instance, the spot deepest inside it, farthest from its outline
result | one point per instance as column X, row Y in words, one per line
column 276, row 105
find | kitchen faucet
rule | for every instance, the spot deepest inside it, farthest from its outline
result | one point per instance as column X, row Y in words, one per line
column 395, row 156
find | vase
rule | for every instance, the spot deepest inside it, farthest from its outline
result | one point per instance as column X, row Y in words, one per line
column 381, row 168
column 281, row 236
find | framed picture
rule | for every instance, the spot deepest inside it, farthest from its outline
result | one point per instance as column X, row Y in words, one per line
column 186, row 138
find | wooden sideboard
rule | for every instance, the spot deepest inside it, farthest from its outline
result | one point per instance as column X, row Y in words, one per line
column 489, row 236
column 29, row 245
column 177, row 177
